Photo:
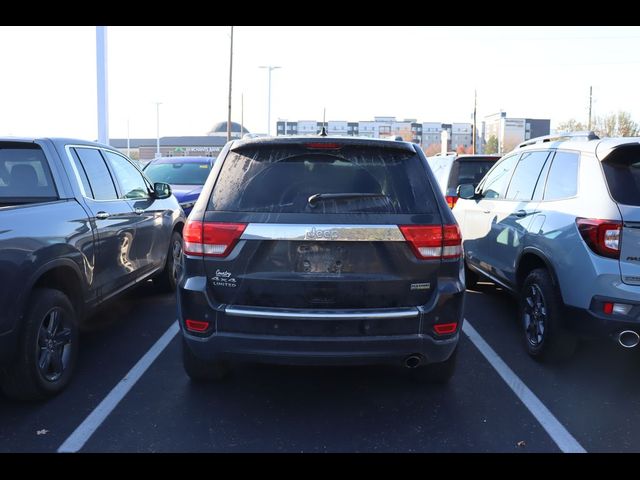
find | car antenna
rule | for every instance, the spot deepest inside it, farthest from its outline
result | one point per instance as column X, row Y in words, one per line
column 323, row 131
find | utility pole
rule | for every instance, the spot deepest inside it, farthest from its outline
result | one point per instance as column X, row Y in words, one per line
column 590, row 102
column 270, row 68
column 103, row 103
column 475, row 104
column 230, row 77
column 241, row 115
column 158, row 129
column 128, row 140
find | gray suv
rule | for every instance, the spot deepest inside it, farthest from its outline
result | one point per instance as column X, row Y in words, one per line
column 557, row 222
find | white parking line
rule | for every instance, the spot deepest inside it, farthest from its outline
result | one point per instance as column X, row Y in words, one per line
column 81, row 435
column 565, row 441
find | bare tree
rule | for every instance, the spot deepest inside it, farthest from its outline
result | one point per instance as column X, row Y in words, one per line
column 571, row 125
column 617, row 124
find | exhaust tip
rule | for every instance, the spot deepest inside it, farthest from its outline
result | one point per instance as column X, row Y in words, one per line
column 628, row 339
column 412, row 361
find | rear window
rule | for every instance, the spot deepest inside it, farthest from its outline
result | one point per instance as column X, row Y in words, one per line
column 622, row 171
column 469, row 171
column 281, row 179
column 24, row 174
column 178, row 173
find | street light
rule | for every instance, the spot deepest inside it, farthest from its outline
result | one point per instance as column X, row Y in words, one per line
column 158, row 128
column 270, row 68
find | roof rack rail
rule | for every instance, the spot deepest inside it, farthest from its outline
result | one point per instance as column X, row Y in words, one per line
column 585, row 135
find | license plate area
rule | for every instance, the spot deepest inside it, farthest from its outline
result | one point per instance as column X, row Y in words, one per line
column 325, row 258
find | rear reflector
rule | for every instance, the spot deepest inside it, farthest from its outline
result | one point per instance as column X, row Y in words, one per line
column 602, row 236
column 445, row 328
column 433, row 241
column 451, row 200
column 196, row 325
column 607, row 308
column 211, row 239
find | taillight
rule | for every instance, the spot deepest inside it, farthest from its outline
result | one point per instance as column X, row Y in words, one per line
column 433, row 241
column 602, row 236
column 211, row 239
column 451, row 200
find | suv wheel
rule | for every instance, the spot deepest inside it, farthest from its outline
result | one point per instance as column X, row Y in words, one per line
column 540, row 309
column 47, row 350
column 438, row 373
column 202, row 370
column 168, row 280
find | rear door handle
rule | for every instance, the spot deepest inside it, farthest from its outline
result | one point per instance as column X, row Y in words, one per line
column 102, row 215
column 520, row 213
column 139, row 211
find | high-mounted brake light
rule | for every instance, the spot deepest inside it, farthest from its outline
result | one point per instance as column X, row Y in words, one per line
column 323, row 146
column 602, row 236
column 433, row 241
column 211, row 239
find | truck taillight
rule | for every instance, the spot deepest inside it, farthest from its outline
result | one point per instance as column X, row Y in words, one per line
column 602, row 236
column 211, row 239
column 429, row 242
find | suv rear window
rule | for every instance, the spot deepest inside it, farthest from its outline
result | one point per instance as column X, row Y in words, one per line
column 24, row 173
column 469, row 171
column 282, row 178
column 622, row 171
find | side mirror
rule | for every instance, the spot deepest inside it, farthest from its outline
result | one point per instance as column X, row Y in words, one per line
column 162, row 190
column 466, row 191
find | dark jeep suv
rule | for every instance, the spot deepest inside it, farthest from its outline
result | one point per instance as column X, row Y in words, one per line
column 320, row 250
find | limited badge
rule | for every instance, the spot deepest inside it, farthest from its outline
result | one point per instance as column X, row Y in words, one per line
column 420, row 286
column 224, row 279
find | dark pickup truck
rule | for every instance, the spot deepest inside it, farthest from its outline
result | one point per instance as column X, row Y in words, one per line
column 79, row 224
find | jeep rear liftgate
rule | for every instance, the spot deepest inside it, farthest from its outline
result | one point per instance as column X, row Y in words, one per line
column 324, row 266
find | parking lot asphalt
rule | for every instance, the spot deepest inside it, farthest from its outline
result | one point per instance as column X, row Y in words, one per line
column 263, row 408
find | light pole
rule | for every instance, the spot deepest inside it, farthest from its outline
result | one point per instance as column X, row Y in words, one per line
column 270, row 68
column 101, row 70
column 158, row 128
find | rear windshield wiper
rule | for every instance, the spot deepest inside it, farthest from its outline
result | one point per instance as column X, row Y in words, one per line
column 314, row 199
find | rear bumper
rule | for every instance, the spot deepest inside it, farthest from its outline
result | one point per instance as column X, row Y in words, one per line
column 593, row 322
column 320, row 337
column 294, row 350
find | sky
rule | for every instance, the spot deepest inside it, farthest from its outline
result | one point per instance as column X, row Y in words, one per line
column 48, row 82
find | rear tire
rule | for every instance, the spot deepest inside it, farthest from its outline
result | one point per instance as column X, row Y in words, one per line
column 167, row 281
column 437, row 373
column 47, row 349
column 200, row 370
column 545, row 337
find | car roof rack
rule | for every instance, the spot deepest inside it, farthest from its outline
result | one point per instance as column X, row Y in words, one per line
column 586, row 135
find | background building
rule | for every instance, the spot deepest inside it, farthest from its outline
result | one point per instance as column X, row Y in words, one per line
column 209, row 145
column 425, row 134
column 511, row 131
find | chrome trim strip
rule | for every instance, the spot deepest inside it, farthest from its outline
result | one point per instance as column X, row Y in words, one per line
column 408, row 312
column 323, row 232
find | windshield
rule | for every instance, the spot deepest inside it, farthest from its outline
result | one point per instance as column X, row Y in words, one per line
column 178, row 173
